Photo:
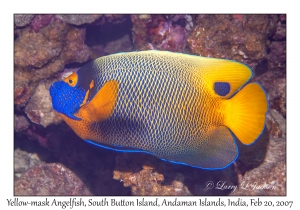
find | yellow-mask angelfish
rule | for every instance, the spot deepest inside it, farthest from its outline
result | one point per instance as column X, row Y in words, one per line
column 178, row 107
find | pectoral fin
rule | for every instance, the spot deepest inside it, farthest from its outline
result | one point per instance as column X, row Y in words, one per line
column 103, row 103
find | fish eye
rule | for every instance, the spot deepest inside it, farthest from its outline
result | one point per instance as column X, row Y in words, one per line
column 72, row 79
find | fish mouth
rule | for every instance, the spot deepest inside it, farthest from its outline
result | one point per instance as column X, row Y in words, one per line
column 55, row 88
column 51, row 90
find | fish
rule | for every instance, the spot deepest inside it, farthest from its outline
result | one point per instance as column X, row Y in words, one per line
column 185, row 109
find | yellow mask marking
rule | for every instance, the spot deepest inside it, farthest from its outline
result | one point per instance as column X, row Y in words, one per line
column 72, row 79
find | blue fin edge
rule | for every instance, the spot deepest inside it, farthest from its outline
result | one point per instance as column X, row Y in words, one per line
column 174, row 162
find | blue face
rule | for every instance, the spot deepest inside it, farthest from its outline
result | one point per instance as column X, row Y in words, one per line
column 67, row 99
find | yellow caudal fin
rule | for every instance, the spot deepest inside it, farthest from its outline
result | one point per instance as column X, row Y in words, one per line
column 103, row 103
column 246, row 113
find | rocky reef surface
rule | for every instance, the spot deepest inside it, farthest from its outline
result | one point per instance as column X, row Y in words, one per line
column 49, row 159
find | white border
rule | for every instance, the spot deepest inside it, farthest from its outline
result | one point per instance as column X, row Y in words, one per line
column 153, row 6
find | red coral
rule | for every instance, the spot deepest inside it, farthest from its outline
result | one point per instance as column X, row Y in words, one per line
column 40, row 21
column 239, row 17
column 158, row 32
column 175, row 40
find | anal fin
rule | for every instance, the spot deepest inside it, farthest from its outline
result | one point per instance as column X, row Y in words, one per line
column 217, row 151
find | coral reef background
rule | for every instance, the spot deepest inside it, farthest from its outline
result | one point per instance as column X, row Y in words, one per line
column 49, row 159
